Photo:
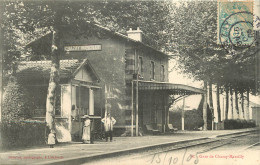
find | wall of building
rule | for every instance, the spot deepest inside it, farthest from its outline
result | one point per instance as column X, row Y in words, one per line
column 256, row 115
column 151, row 103
column 158, row 59
column 152, row 108
column 109, row 64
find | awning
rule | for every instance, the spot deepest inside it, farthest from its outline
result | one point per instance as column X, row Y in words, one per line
column 175, row 89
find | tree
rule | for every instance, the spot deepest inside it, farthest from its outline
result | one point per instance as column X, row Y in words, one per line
column 1, row 66
column 218, row 104
column 193, row 37
column 56, row 51
column 232, row 103
column 193, row 30
column 151, row 16
column 242, row 104
column 205, row 108
column 247, row 106
column 227, row 102
column 211, row 102
column 236, row 103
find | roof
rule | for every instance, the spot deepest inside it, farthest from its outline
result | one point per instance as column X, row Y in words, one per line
column 127, row 38
column 107, row 30
column 176, row 89
column 41, row 69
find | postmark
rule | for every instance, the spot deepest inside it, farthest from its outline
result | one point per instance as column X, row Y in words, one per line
column 236, row 26
column 234, row 19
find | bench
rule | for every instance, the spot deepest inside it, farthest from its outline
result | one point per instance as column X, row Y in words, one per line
column 152, row 130
column 171, row 128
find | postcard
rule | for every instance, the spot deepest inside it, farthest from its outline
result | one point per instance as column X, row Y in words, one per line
column 130, row 82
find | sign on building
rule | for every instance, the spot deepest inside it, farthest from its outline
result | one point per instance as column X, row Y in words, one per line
column 81, row 48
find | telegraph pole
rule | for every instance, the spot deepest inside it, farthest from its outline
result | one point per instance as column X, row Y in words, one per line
column 136, row 102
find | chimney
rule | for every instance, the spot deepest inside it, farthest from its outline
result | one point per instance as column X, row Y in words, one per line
column 135, row 34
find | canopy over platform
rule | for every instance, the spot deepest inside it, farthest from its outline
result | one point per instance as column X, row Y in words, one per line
column 175, row 89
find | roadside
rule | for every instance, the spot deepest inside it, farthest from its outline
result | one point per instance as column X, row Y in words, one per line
column 77, row 152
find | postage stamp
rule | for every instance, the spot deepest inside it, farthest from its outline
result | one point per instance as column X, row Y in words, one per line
column 235, row 23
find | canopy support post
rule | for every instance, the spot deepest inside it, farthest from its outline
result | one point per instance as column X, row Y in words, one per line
column 182, row 114
column 132, row 113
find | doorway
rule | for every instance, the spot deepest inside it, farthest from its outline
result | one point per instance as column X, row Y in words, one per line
column 82, row 104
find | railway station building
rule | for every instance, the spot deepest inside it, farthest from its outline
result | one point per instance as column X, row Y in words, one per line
column 99, row 67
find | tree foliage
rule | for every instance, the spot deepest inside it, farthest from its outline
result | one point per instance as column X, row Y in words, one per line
column 28, row 20
column 151, row 16
column 194, row 34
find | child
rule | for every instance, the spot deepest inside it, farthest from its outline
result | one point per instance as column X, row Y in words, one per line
column 51, row 139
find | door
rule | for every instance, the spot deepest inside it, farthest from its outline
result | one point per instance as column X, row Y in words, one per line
column 80, row 107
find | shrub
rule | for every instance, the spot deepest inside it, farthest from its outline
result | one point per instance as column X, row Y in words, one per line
column 251, row 123
column 22, row 133
column 175, row 118
column 192, row 119
column 16, row 102
column 238, row 124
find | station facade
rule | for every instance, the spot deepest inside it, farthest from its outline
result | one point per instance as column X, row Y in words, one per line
column 99, row 67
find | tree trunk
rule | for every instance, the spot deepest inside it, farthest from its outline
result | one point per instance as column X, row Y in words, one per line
column 218, row 104
column 205, row 104
column 247, row 106
column 236, row 103
column 227, row 103
column 242, row 104
column 211, row 99
column 232, row 103
column 54, row 74
column 211, row 104
column 1, row 71
column 1, row 63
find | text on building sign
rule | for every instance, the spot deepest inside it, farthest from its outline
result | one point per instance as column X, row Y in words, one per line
column 82, row 48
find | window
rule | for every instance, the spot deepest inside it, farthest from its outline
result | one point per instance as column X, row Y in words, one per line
column 152, row 70
column 130, row 61
column 162, row 73
column 140, row 66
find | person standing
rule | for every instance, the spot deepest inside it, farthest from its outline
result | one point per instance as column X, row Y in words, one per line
column 108, row 122
column 51, row 139
column 86, row 136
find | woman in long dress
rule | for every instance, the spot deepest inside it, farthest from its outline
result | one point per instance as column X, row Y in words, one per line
column 86, row 131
